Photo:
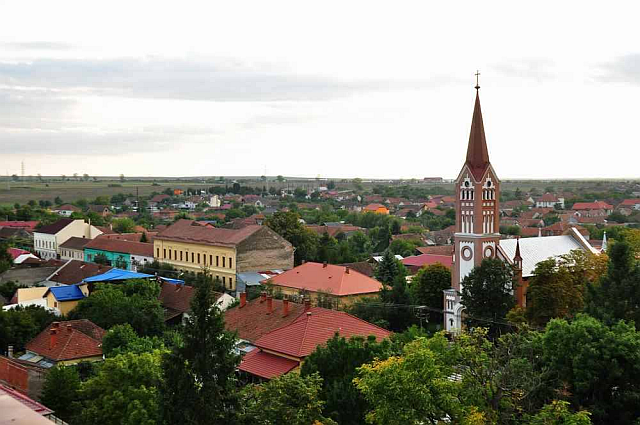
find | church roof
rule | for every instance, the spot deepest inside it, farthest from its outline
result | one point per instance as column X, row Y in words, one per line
column 477, row 153
column 535, row 250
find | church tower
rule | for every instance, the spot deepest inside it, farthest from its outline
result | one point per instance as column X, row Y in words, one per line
column 477, row 234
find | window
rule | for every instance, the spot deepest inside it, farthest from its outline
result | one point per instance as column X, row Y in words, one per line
column 55, row 304
column 230, row 263
column 224, row 260
column 180, row 255
column 217, row 261
column 211, row 260
column 230, row 282
column 158, row 252
column 192, row 257
column 169, row 254
column 224, row 280
column 198, row 258
column 164, row 253
column 175, row 254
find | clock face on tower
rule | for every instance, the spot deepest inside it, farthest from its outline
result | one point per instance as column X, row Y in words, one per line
column 466, row 253
column 488, row 252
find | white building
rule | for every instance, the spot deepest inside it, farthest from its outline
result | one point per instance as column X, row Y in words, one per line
column 47, row 239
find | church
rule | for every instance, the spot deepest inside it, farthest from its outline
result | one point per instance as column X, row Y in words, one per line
column 477, row 228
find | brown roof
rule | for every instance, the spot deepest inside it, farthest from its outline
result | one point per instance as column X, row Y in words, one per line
column 333, row 230
column 363, row 267
column 128, row 247
column 74, row 339
column 66, row 207
column 191, row 231
column 253, row 320
column 97, row 208
column 75, row 242
column 105, row 230
column 436, row 250
column 477, row 153
column 75, row 271
column 131, row 237
column 54, row 228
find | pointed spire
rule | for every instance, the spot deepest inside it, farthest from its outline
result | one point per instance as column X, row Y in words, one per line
column 604, row 243
column 477, row 152
column 517, row 257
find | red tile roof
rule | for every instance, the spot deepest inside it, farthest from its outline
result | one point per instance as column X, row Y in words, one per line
column 597, row 205
column 626, row 202
column 191, row 231
column 427, row 260
column 336, row 280
column 266, row 365
column 131, row 237
column 115, row 245
column 374, row 207
column 75, row 242
column 436, row 250
column 548, row 197
column 253, row 321
column 30, row 225
column 314, row 328
column 333, row 230
column 74, row 339
column 16, row 252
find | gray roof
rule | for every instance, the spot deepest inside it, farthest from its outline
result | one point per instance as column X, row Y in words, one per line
column 535, row 250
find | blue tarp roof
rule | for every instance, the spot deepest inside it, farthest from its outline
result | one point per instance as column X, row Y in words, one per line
column 118, row 274
column 66, row 293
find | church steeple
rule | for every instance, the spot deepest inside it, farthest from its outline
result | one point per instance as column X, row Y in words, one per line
column 477, row 152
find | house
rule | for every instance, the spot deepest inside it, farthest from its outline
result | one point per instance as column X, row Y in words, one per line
column 376, row 208
column 20, row 255
column 336, row 285
column 633, row 204
column 73, row 248
column 549, row 200
column 75, row 271
column 178, row 192
column 102, row 210
column 334, row 230
column 66, row 210
column 66, row 343
column 597, row 205
column 277, row 335
column 65, row 298
column 560, row 228
column 18, row 234
column 122, row 254
column 416, row 262
column 176, row 301
column 437, row 249
column 29, row 226
column 47, row 239
column 131, row 237
column 190, row 246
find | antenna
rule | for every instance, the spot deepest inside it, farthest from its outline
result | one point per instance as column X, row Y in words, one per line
column 477, row 80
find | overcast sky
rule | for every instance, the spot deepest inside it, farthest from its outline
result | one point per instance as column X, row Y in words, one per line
column 336, row 89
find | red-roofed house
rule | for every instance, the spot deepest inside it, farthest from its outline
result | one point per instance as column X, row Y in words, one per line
column 69, row 342
column 27, row 225
column 20, row 255
column 416, row 262
column 176, row 301
column 283, row 349
column 340, row 284
column 627, row 203
column 549, row 200
column 597, row 205
column 376, row 208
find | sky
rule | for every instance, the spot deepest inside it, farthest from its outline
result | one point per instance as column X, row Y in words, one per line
column 365, row 89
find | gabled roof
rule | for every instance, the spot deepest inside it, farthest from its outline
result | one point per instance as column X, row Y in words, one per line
column 597, row 205
column 374, row 207
column 630, row 202
column 74, row 339
column 548, row 197
column 127, row 247
column 75, row 242
column 427, row 260
column 54, row 228
column 266, row 365
column 65, row 293
column 436, row 250
column 477, row 152
column 191, row 231
column 253, row 320
column 66, row 207
column 336, row 280
column 74, row 271
column 29, row 225
column 314, row 328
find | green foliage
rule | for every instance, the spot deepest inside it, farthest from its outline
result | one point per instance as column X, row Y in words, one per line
column 557, row 412
column 389, row 268
column 403, row 247
column 199, row 373
column 6, row 261
column 487, row 294
column 598, row 365
column 8, row 289
column 287, row 225
column 123, row 339
column 134, row 302
column 61, row 390
column 123, row 392
column 289, row 399
column 336, row 364
column 428, row 285
column 21, row 324
column 101, row 258
column 124, row 225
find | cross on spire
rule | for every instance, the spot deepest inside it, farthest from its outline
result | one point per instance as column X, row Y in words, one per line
column 477, row 79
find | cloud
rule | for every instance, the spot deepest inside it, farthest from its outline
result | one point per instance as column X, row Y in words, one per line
column 37, row 45
column 624, row 69
column 36, row 108
column 217, row 80
column 538, row 69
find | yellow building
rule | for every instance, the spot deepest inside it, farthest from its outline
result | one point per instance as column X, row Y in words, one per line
column 65, row 298
column 376, row 208
column 190, row 246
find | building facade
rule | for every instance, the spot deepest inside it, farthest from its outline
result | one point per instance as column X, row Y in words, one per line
column 47, row 239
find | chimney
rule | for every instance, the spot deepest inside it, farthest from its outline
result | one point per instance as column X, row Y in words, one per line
column 53, row 339
column 324, row 265
column 263, row 297
column 55, row 325
column 285, row 307
column 69, row 328
column 243, row 299
column 269, row 304
column 10, row 351
column 307, row 304
column 347, row 270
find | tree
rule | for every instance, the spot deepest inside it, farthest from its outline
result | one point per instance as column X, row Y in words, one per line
column 617, row 295
column 199, row 373
column 101, row 258
column 75, row 176
column 487, row 294
column 403, row 247
column 412, row 388
column 428, row 284
column 124, row 225
column 6, row 260
column 124, row 339
column 288, row 399
column 551, row 293
column 280, row 179
column 58, row 200
column 389, row 268
column 134, row 302
column 144, row 238
column 597, row 365
column 122, row 178
column 331, row 185
column 21, row 324
column 7, row 289
column 61, row 390
column 287, row 225
column 125, row 391
column 336, row 364
column 557, row 412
